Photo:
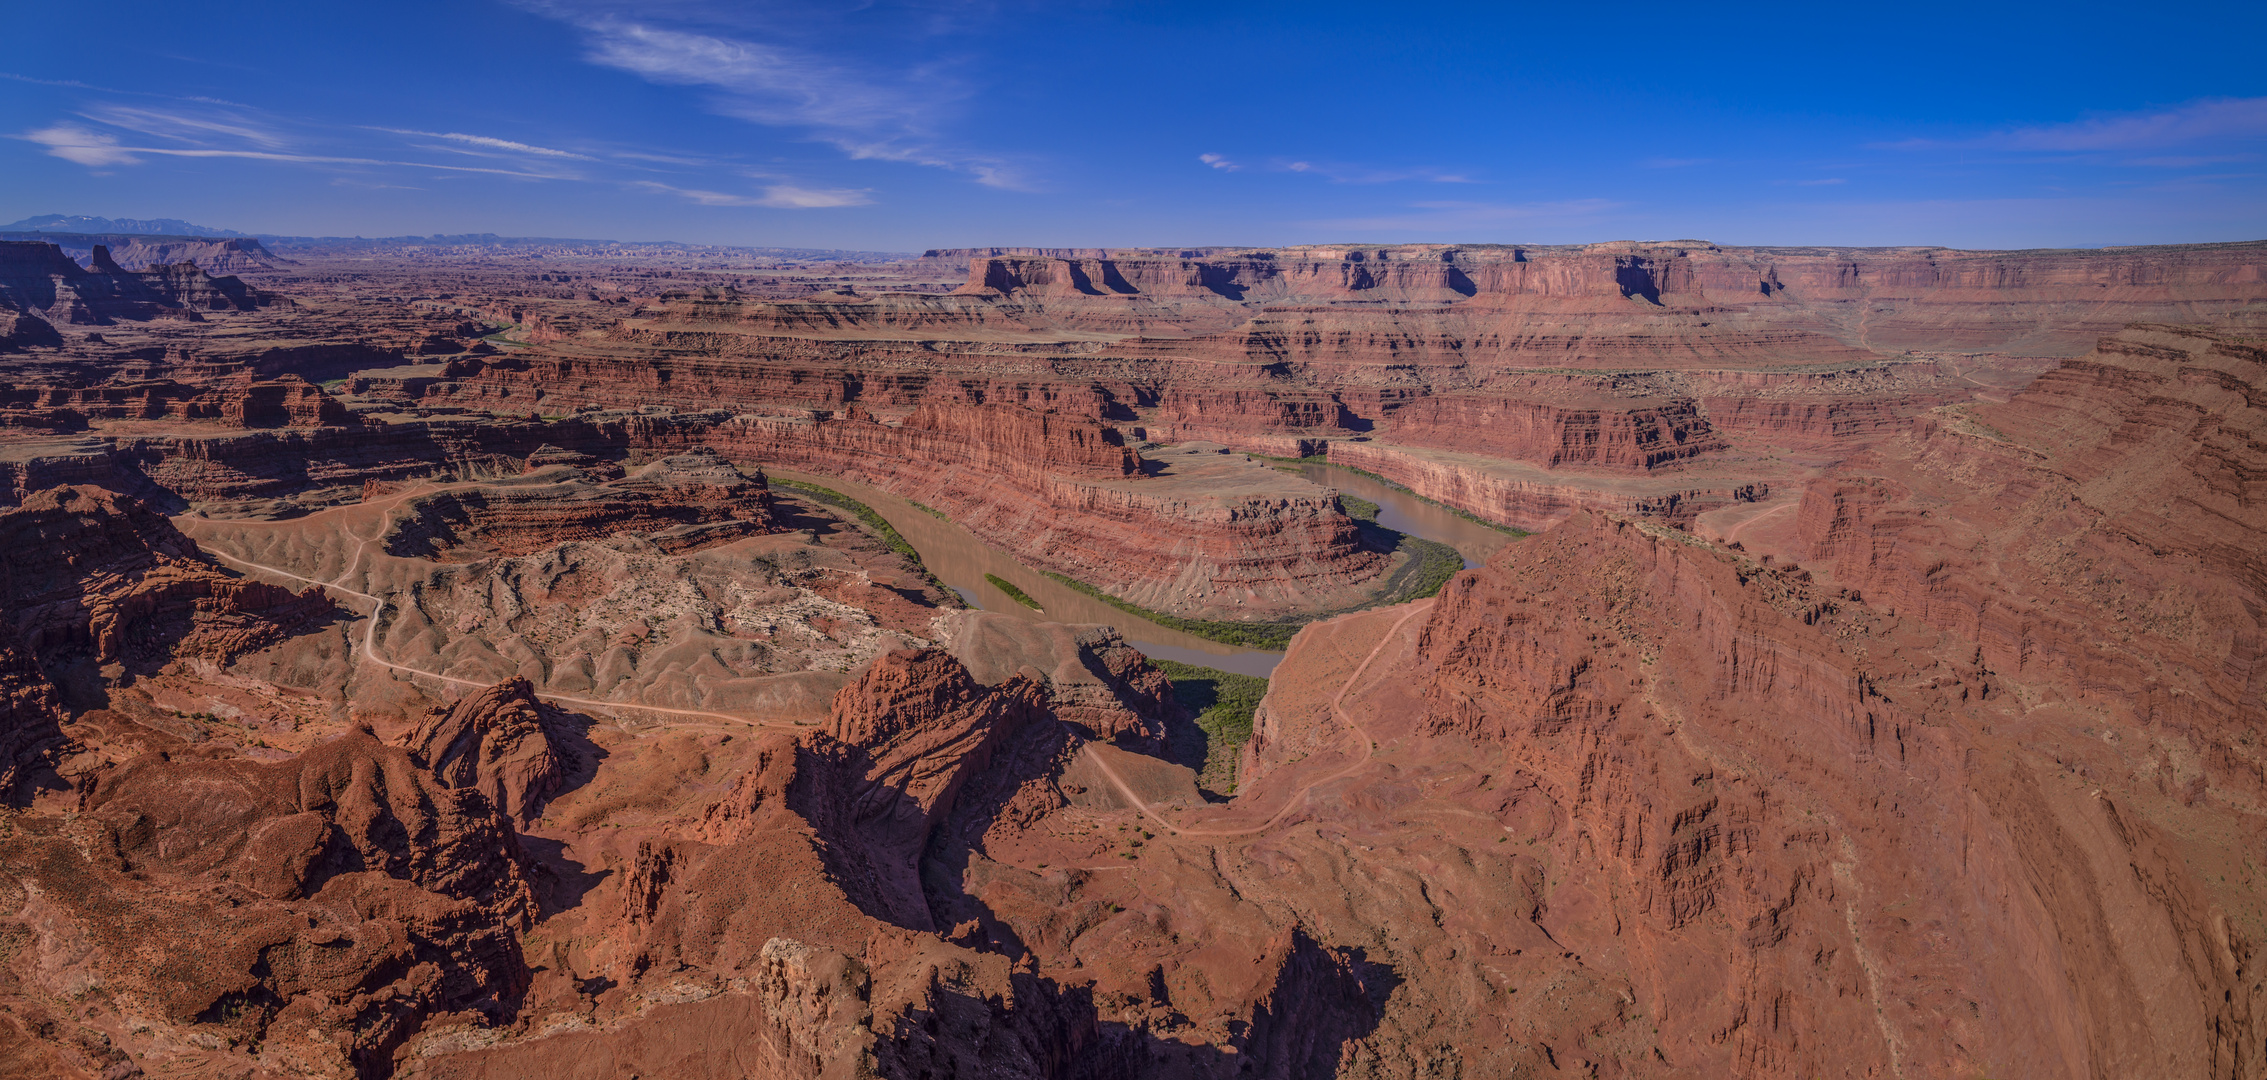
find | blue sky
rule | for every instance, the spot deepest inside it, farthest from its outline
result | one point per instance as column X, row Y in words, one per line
column 899, row 126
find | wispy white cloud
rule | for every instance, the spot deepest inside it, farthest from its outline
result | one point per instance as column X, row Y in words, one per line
column 72, row 83
column 775, row 196
column 1341, row 172
column 771, row 84
column 99, row 149
column 75, row 84
column 93, row 149
column 662, row 159
column 196, row 129
column 2197, row 122
column 2214, row 120
column 867, row 114
column 490, row 143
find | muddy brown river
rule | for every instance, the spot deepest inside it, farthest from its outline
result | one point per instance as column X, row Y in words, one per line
column 961, row 560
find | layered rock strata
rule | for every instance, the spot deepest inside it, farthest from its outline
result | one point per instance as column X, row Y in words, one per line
column 1533, row 499
column 97, row 578
column 2097, row 532
column 683, row 502
column 37, row 278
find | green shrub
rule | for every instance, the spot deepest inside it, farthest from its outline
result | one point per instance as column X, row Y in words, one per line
column 1223, row 704
column 1015, row 594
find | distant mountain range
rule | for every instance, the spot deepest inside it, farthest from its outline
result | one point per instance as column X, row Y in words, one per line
column 81, row 223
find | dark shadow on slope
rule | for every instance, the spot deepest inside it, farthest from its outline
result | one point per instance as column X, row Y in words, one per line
column 562, row 883
column 901, row 816
column 1323, row 998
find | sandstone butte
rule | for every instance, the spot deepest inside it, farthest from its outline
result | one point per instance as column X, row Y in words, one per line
column 411, row 667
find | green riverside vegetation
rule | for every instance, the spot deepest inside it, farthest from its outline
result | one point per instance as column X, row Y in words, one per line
column 1223, row 704
column 1270, row 636
column 883, row 530
column 1015, row 594
column 1430, row 565
column 1322, row 459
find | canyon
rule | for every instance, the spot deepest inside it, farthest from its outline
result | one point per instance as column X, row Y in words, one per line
column 461, row 660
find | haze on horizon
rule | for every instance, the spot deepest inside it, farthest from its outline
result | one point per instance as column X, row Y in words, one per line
column 898, row 126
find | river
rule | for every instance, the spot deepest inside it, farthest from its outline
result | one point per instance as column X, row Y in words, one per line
column 961, row 560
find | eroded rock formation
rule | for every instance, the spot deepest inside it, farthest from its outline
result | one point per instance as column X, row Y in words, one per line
column 1855, row 711
column 96, row 578
column 503, row 742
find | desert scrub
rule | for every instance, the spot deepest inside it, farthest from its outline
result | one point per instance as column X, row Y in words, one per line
column 1015, row 594
column 1432, row 562
column 1222, row 703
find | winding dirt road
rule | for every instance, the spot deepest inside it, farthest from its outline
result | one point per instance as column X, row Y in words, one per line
column 369, row 646
column 1298, row 798
column 369, row 650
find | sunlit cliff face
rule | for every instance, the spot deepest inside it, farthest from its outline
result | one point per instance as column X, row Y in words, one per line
column 476, row 670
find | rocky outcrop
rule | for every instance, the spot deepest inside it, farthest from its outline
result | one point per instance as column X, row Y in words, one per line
column 2098, row 530
column 1532, row 499
column 1094, row 679
column 1612, row 662
column 684, row 502
column 328, row 905
column 1018, row 445
column 23, row 330
column 221, row 255
column 31, row 714
column 37, row 278
column 1059, row 492
column 1815, row 422
column 1947, row 773
column 98, row 578
column 1589, row 361
column 99, row 586
column 1070, row 495
column 2031, row 303
column 503, row 742
column 900, row 743
column 283, row 401
column 818, row 1003
column 1630, row 436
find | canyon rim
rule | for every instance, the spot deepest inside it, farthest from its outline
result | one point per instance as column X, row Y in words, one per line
column 433, row 659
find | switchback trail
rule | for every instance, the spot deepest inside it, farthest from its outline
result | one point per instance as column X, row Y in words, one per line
column 1298, row 798
column 369, row 647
